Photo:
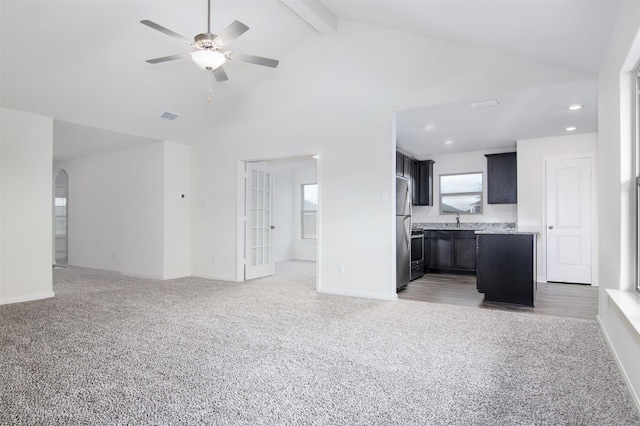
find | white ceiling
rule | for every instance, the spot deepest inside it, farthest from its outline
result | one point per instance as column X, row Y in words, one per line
column 82, row 62
column 536, row 113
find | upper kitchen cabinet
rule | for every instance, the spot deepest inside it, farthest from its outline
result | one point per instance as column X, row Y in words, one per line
column 502, row 178
column 399, row 163
column 420, row 174
column 404, row 164
column 423, row 183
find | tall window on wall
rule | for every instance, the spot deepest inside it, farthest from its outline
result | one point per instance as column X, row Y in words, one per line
column 637, row 172
column 309, row 211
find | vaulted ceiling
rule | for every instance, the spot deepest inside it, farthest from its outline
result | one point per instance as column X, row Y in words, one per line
column 83, row 62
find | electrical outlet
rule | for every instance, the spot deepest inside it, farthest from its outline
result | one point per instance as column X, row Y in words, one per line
column 113, row 255
column 213, row 259
column 341, row 269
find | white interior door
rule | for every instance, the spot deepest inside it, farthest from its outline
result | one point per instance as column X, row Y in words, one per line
column 259, row 223
column 569, row 220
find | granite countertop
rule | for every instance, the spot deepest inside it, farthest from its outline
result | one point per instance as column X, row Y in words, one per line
column 493, row 227
column 505, row 232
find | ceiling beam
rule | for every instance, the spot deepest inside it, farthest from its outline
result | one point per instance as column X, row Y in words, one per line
column 315, row 14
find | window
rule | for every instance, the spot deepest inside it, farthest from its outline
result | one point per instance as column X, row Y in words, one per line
column 309, row 211
column 637, row 173
column 461, row 193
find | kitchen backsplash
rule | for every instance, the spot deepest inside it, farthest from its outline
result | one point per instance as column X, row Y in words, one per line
column 476, row 226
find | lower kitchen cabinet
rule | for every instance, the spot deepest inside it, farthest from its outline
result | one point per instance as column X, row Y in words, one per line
column 507, row 268
column 452, row 251
column 427, row 250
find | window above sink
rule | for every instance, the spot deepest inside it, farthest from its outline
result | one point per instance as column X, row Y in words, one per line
column 461, row 193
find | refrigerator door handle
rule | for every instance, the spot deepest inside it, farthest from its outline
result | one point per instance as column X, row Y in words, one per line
column 408, row 198
column 407, row 231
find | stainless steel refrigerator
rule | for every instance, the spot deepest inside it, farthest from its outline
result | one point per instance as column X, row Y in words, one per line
column 403, row 232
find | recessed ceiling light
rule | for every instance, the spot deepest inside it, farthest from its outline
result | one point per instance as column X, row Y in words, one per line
column 448, row 142
column 429, row 127
column 484, row 104
column 570, row 129
column 575, row 107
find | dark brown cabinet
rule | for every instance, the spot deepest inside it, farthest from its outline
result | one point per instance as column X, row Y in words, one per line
column 464, row 251
column 440, row 253
column 404, row 165
column 507, row 268
column 502, row 178
column 427, row 250
column 420, row 174
column 452, row 251
column 399, row 164
column 423, row 194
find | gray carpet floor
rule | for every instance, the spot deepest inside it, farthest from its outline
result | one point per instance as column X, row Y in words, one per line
column 110, row 349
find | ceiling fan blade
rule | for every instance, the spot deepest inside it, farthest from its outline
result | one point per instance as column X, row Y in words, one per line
column 168, row 58
column 251, row 59
column 220, row 75
column 232, row 32
column 166, row 31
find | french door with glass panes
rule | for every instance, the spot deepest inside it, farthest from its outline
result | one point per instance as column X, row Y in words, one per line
column 258, row 223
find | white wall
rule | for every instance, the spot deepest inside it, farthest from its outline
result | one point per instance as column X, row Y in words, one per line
column 615, row 136
column 464, row 163
column 127, row 213
column 26, row 197
column 532, row 157
column 283, row 214
column 116, row 218
column 177, row 210
column 332, row 97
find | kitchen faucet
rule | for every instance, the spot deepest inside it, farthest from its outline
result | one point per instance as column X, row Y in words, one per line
column 458, row 220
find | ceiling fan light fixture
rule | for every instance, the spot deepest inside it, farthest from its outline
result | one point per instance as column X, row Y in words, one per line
column 208, row 59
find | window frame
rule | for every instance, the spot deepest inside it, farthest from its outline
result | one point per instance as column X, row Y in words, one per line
column 304, row 212
column 480, row 193
column 636, row 154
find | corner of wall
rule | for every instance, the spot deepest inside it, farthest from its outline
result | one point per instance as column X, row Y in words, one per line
column 26, row 194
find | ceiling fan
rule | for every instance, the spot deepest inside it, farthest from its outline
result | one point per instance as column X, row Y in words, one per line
column 211, row 52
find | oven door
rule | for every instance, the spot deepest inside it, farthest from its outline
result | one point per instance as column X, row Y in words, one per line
column 417, row 255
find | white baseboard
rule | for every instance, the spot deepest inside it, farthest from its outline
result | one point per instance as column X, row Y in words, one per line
column 26, row 298
column 176, row 276
column 216, row 277
column 366, row 295
column 623, row 373
column 141, row 275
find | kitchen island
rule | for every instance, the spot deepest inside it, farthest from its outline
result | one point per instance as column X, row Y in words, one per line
column 506, row 266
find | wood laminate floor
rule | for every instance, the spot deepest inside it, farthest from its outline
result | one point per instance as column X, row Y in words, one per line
column 566, row 300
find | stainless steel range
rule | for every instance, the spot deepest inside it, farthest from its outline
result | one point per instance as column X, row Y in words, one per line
column 417, row 254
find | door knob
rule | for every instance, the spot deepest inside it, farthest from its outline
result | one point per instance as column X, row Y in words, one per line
column 273, row 227
column 550, row 226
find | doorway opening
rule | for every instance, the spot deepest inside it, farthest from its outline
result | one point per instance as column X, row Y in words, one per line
column 278, row 226
column 61, row 219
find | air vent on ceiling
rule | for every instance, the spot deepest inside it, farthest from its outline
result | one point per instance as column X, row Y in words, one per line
column 169, row 115
column 484, row 104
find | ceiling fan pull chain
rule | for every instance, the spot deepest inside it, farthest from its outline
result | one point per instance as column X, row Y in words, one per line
column 210, row 87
